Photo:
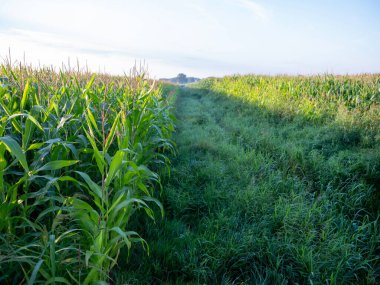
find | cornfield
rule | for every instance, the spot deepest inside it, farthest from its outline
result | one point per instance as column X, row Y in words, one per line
column 317, row 98
column 80, row 154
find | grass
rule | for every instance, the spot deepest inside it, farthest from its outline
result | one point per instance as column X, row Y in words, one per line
column 276, row 181
column 80, row 156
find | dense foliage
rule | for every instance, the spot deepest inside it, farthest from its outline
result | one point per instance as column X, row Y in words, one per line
column 79, row 156
column 277, row 181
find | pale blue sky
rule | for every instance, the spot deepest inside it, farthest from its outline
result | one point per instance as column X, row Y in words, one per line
column 200, row 38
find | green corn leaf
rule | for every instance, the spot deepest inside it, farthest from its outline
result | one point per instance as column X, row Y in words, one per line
column 35, row 146
column 115, row 203
column 92, row 120
column 67, row 234
column 143, row 188
column 57, row 164
column 86, row 214
column 28, row 131
column 3, row 164
column 37, row 102
column 98, row 156
column 30, row 117
column 99, row 240
column 123, row 235
column 2, row 91
column 115, row 166
column 158, row 203
column 112, row 132
column 48, row 211
column 72, row 179
column 14, row 75
column 73, row 149
column 95, row 188
column 127, row 202
column 89, row 84
column 16, row 124
column 15, row 149
column 85, row 221
column 25, row 94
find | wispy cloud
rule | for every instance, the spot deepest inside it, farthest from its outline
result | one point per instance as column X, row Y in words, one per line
column 56, row 41
column 56, row 49
column 258, row 10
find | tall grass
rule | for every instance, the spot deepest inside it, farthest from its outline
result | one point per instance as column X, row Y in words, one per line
column 79, row 156
column 273, row 184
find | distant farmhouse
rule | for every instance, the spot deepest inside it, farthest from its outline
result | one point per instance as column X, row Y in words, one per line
column 180, row 79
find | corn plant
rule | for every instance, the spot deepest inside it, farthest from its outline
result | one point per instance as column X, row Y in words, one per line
column 79, row 155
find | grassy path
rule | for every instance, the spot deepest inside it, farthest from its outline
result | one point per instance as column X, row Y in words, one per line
column 244, row 204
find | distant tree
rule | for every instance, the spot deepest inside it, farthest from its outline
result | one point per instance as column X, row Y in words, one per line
column 181, row 78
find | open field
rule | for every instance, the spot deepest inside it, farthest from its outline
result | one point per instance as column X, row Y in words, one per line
column 277, row 181
column 242, row 148
column 273, row 180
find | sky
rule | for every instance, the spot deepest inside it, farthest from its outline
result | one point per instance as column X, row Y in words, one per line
column 197, row 37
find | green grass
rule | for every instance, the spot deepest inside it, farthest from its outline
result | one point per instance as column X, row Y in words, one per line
column 276, row 181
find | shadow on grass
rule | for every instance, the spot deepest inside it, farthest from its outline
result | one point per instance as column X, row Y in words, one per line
column 264, row 197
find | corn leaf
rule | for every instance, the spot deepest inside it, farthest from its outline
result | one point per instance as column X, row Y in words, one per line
column 24, row 98
column 115, row 166
column 95, row 188
column 15, row 149
column 57, row 164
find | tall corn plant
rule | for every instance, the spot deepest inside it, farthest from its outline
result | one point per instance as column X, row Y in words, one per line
column 76, row 160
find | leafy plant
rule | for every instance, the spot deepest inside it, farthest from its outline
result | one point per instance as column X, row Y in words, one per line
column 77, row 153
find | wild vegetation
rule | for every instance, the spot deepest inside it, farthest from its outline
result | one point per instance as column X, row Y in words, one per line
column 277, row 181
column 80, row 157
